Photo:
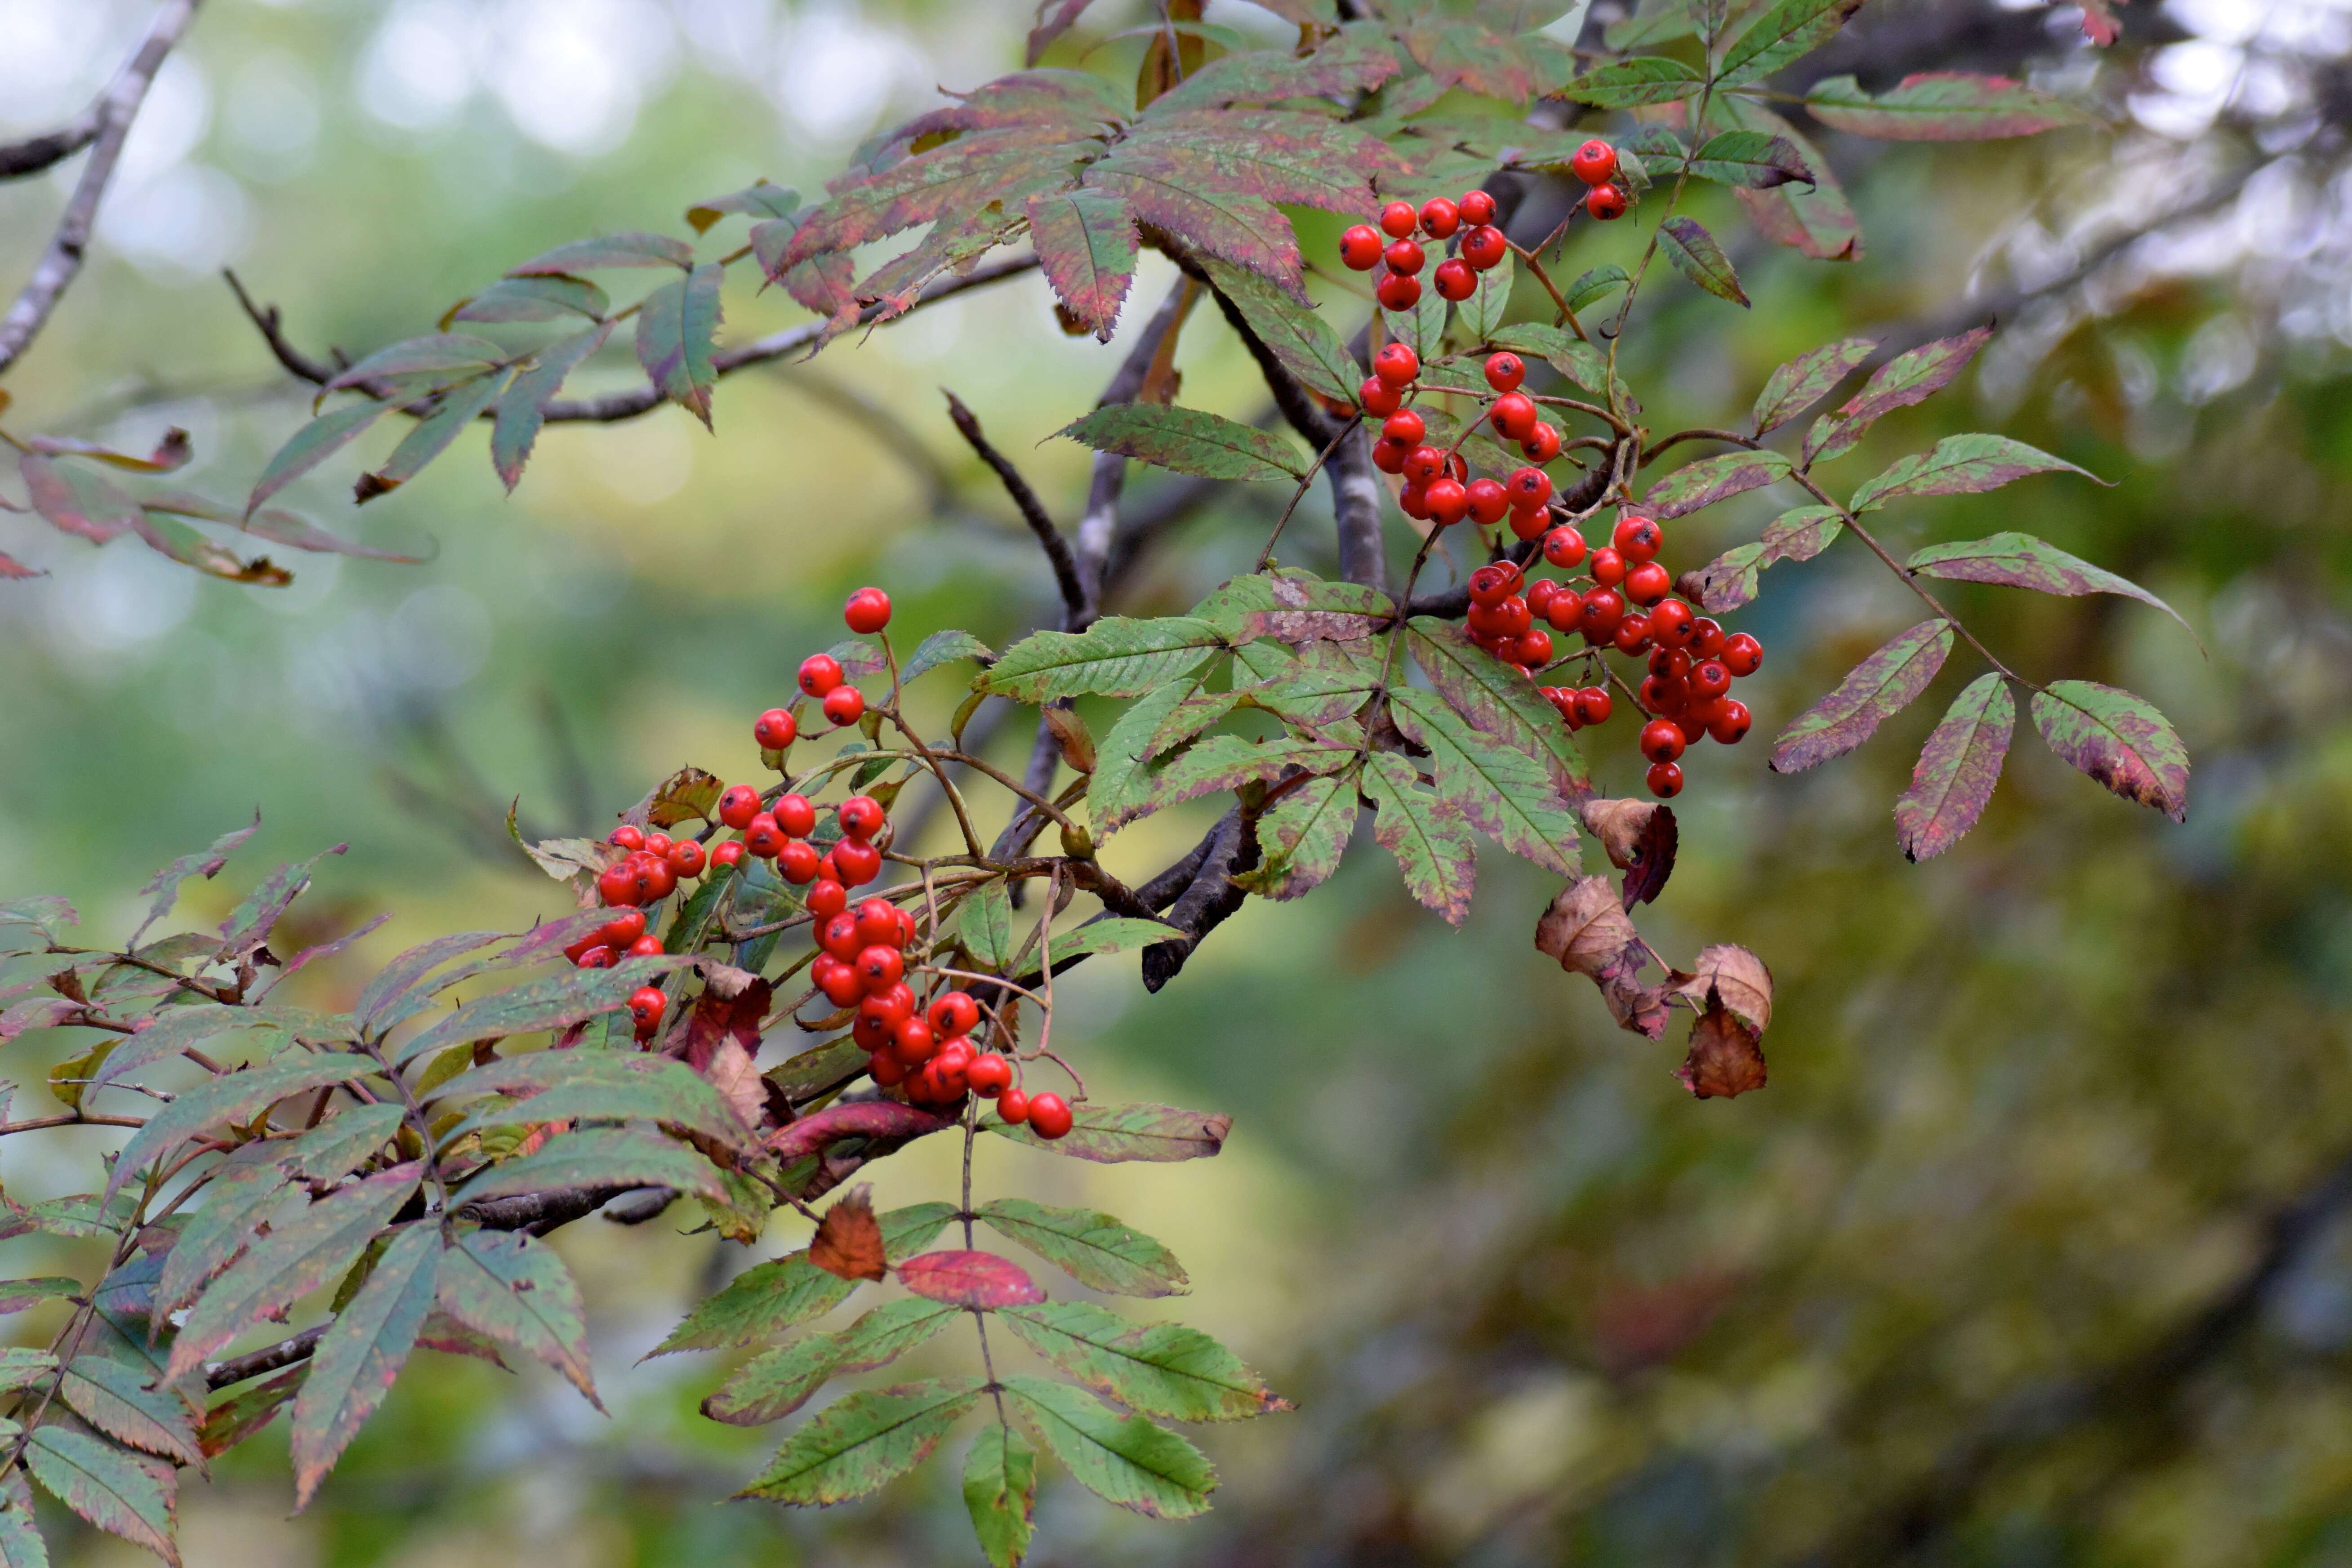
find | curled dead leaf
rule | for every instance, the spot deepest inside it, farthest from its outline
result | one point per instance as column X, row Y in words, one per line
column 1070, row 732
column 1731, row 977
column 1586, row 927
column 1725, row 1058
column 732, row 1074
column 1639, row 836
column 848, row 1240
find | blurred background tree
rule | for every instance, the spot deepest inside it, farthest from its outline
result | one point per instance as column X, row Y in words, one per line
column 2034, row 1251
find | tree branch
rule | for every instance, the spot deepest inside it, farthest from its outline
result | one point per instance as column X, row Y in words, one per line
column 35, row 153
column 117, row 109
column 1074, row 597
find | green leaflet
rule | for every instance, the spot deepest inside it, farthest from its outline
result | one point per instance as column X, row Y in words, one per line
column 1783, row 35
column 362, row 1353
column 1121, row 782
column 771, row 1387
column 112, row 1396
column 1644, row 79
column 1116, row 656
column 110, row 1488
column 1300, row 337
column 523, row 407
column 769, row 1298
column 1957, row 770
column 2117, row 739
column 1430, row 840
column 1109, row 933
column 942, row 647
column 594, row 1086
column 1156, row 1369
column 455, row 414
column 516, row 1291
column 550, row 1002
column 1000, row 1491
column 1483, row 312
column 553, row 298
column 676, row 325
column 1096, row 1250
column 858, row 1443
column 1697, row 257
column 1881, row 685
column 984, row 926
column 1123, row 1460
column 1190, row 441
column 603, row 1157
column 1959, row 464
column 1114, row 1134
column 1795, row 386
column 1303, row 838
column 1222, row 763
column 1498, row 790
column 1086, row 243
column 236, row 1097
column 1940, row 106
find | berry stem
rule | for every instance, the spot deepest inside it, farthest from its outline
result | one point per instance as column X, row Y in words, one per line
column 1306, row 482
column 1536, row 268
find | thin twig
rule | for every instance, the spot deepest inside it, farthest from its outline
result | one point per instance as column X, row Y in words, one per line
column 1032, row 510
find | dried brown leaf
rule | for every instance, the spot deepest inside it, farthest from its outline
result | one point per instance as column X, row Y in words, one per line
column 1731, row 977
column 1640, row 838
column 1726, row 1057
column 848, row 1240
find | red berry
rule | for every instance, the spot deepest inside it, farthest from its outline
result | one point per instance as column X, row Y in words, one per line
column 1488, row 502
column 880, row 967
column 1604, row 609
column 619, row 932
column 627, row 836
column 1709, row 678
column 1647, row 584
column 1633, row 635
column 686, row 857
column 1388, row 457
column 1670, row 624
column 1564, row 547
column 596, row 958
column 1404, row 257
column 886, row 1069
column 1397, row 219
column 1013, row 1106
column 1439, row 218
column 796, row 815
column 826, row 897
column 867, row 611
column 1453, row 279
column 1542, row 444
column 763, row 838
column 657, row 844
column 1397, row 365
column 1742, row 654
column 820, row 673
column 725, row 856
column 1049, row 1116
column 877, row 920
column 1532, row 649
column 1359, row 247
column 1505, row 371
column 1398, row 292
column 1566, row 611
column 1666, row 779
column 646, row 1006
column 955, row 1012
column 1378, row 397
column 738, row 806
column 1530, row 487
column 860, row 817
column 647, row 946
column 1413, row 500
column 1637, row 539
column 988, row 1075
column 796, row 861
column 1539, row 595
column 1605, row 203
column 1477, row 207
column 1661, row 741
column 1424, row 465
column 1730, row 722
column 1514, row 415
column 1595, row 163
column 617, row 886
column 1672, row 663
column 1484, row 246
column 913, row 1042
column 1404, row 425
column 1608, row 567
column 1494, row 583
column 1447, row 501
column 845, row 705
column 859, row 863
column 839, row 936
column 1708, row 641
column 893, row 1005
column 1594, row 706
column 870, row 1030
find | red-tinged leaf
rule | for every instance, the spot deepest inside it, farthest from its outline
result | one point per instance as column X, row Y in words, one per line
column 1815, row 220
column 1303, row 838
column 362, row 1353
column 172, row 452
column 2022, row 561
column 313, row 444
column 1431, row 844
column 894, row 287
column 1086, row 243
column 1457, row 51
column 951, row 181
column 1644, row 79
column 516, row 1291
column 14, row 571
column 1490, row 784
column 1073, row 99
column 436, row 358
column 523, row 407
column 176, row 540
column 676, row 326
column 248, row 1411
column 114, row 1397
column 1904, row 379
column 1114, row 1134
column 1751, row 161
column 1697, row 257
column 250, row 924
column 107, row 1485
column 868, row 1119
column 760, row 199
column 2119, row 740
column 76, row 501
column 554, row 298
column 1232, row 225
column 1961, row 465
column 1726, row 1057
column 629, row 250
column 768, row 1298
column 1783, row 35
column 1940, row 106
column 206, row 863
column 1878, row 687
column 1357, row 60
column 1055, row 18
column 1957, row 770
column 848, row 1240
column 276, row 526
column 1711, row 480
column 617, row 1158
column 452, row 415
column 1497, row 699
column 236, row 1097
column 1804, row 381
column 1729, row 976
column 977, row 1279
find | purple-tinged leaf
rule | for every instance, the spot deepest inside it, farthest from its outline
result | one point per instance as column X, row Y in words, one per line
column 1940, row 106
column 866, row 1119
column 41, row 921
column 1957, row 770
column 1878, row 687
column 949, row 182
column 249, row 924
column 278, row 526
column 172, row 452
column 2119, row 740
column 1711, row 480
column 1815, row 220
column 1122, row 1459
column 1488, row 59
column 1728, row 581
column 1114, row 1134
column 17, row 1295
column 768, row 1298
column 1960, row 464
column 2022, row 561
column 1074, row 99
column 1300, row 336
column 513, row 1288
column 76, row 501
column 974, row 1280
column 549, row 1004
column 105, row 1484
column 1751, row 161
column 14, row 571
column 857, row 1444
column 452, row 415
column 1303, row 837
column 310, row 445
column 363, row 1351
column 554, row 298
column 21, row 1545
column 174, row 1031
column 1085, row 241
column 1904, row 379
column 1696, row 256
column 629, row 250
column 1190, row 441
column 676, row 325
column 1783, row 35
column 1357, row 60
column 398, row 977
column 302, row 1252
column 113, row 1396
column 604, row 1157
column 165, row 884
column 236, row 1097
column 1431, row 842
column 523, row 407
column 1804, row 381
column 248, row 1410
column 1644, row 79
column 760, row 199
column 436, row 358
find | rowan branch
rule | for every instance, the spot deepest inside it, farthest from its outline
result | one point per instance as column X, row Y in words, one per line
column 61, row 263
column 35, row 153
column 1033, row 513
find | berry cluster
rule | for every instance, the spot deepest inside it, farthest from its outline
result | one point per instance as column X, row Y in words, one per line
column 1481, row 244
column 924, row 1051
